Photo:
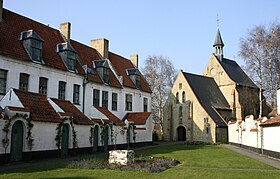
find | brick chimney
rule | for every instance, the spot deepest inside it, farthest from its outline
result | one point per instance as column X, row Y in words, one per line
column 1, row 10
column 102, row 46
column 134, row 59
column 65, row 29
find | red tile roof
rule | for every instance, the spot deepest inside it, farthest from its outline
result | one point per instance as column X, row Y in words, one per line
column 10, row 45
column 120, row 64
column 275, row 121
column 12, row 108
column 70, row 109
column 111, row 116
column 139, row 118
column 40, row 108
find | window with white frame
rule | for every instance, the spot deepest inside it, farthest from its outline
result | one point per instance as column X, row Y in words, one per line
column 3, row 81
column 43, row 85
column 128, row 102
column 76, row 94
column 23, row 81
column 61, row 90
column 114, row 101
column 96, row 97
column 105, row 99
column 145, row 104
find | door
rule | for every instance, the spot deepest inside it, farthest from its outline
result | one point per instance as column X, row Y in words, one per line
column 17, row 142
column 95, row 138
column 181, row 131
column 64, row 140
column 106, row 139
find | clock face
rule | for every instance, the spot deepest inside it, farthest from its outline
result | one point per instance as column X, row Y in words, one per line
column 213, row 71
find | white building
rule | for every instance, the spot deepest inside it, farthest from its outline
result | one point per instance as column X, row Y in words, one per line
column 47, row 63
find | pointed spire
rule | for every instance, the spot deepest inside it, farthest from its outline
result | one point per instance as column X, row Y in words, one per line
column 218, row 46
column 218, row 40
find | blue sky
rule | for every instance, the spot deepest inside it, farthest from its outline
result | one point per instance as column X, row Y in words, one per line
column 184, row 31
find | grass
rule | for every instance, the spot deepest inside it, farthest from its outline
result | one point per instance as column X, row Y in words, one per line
column 197, row 161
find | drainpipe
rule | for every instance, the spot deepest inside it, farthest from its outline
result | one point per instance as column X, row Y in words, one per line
column 85, row 82
column 261, row 140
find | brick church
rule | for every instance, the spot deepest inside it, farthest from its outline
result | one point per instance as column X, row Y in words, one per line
column 199, row 106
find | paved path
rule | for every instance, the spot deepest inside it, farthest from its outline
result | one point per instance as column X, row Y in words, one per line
column 263, row 158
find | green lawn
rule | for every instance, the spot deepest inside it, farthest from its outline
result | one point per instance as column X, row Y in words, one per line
column 198, row 161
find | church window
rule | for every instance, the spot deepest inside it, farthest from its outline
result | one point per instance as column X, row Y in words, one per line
column 43, row 85
column 177, row 98
column 180, row 86
column 207, row 130
column 3, row 81
column 23, row 81
column 183, row 97
column 206, row 120
column 180, row 111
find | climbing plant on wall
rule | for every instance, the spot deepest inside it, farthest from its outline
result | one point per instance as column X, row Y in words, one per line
column 59, row 133
column 130, row 127
column 6, row 130
column 102, row 133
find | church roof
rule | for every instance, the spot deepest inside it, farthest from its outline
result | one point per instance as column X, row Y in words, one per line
column 218, row 39
column 235, row 72
column 209, row 96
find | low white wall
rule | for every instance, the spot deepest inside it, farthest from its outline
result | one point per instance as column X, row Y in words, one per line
column 270, row 138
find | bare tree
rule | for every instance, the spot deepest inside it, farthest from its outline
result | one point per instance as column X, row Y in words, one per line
column 261, row 52
column 159, row 73
column 252, row 50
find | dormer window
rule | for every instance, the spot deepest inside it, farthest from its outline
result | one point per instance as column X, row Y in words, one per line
column 134, row 75
column 103, row 69
column 33, row 44
column 68, row 55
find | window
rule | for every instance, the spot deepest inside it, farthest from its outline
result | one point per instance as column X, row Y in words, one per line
column 137, row 81
column 206, row 120
column 106, row 75
column 76, row 94
column 33, row 44
column 23, row 81
column 128, row 102
column 177, row 98
column 61, row 90
column 43, row 85
column 114, row 101
column 183, row 97
column 145, row 105
column 180, row 112
column 36, row 50
column 180, row 86
column 71, row 60
column 96, row 97
column 105, row 99
column 3, row 81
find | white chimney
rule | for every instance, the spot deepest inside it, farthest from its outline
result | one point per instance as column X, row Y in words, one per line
column 278, row 100
column 1, row 10
column 65, row 29
column 102, row 46
column 134, row 59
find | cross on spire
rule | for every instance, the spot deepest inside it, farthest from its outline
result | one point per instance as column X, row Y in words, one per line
column 218, row 21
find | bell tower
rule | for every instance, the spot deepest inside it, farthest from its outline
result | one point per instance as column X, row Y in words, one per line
column 218, row 46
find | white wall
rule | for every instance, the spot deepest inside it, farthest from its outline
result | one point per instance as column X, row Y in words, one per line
column 271, row 138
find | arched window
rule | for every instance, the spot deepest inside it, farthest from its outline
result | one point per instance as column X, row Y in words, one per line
column 180, row 112
column 183, row 97
column 177, row 97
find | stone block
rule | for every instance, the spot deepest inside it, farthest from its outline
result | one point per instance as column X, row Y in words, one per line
column 121, row 157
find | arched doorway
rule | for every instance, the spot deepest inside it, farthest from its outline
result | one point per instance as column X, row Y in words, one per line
column 95, row 138
column 17, row 141
column 181, row 133
column 64, row 140
column 106, row 138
